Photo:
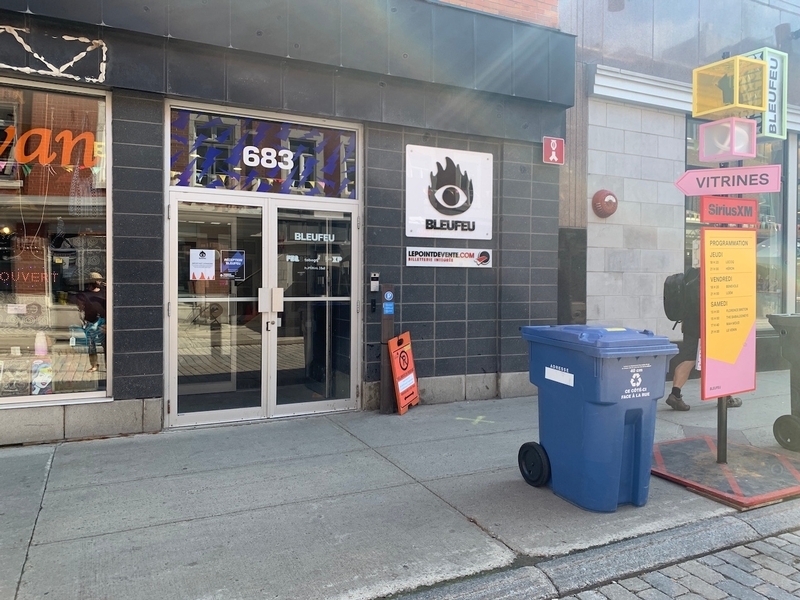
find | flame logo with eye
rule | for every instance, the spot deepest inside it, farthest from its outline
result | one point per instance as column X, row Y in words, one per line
column 450, row 192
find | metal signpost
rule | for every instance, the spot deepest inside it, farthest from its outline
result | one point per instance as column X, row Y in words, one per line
column 736, row 88
column 387, row 404
column 728, row 319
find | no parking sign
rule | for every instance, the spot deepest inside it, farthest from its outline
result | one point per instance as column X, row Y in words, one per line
column 405, row 378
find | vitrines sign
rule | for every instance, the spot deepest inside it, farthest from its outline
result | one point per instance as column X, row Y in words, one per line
column 448, row 193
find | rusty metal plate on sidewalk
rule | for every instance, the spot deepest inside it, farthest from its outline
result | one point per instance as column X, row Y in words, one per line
column 752, row 476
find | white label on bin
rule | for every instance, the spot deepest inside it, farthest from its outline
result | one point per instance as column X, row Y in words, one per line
column 563, row 377
column 636, row 389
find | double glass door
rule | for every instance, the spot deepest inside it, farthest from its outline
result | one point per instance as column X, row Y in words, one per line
column 261, row 311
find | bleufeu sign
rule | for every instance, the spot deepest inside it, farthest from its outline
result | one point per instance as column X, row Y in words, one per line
column 772, row 122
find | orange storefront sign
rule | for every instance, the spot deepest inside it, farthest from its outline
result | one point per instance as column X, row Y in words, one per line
column 405, row 378
column 36, row 146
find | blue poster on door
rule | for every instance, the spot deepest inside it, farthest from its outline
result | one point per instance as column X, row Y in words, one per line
column 231, row 265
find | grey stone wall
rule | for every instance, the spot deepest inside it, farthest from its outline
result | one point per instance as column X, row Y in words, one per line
column 463, row 321
column 637, row 153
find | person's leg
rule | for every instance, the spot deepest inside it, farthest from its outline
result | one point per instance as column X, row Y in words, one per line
column 682, row 372
column 91, row 347
column 679, row 378
column 686, row 359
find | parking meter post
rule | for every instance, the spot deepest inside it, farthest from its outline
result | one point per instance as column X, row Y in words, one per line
column 387, row 404
column 722, row 430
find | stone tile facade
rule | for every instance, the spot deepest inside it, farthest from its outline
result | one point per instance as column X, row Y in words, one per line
column 637, row 153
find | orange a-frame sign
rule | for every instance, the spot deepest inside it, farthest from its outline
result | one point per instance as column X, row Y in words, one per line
column 405, row 378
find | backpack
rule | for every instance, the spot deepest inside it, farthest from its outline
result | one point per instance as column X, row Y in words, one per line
column 673, row 298
column 682, row 295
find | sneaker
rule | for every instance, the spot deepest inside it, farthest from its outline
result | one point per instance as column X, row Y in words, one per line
column 733, row 402
column 677, row 403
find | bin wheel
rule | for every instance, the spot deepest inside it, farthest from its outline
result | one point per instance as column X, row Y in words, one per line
column 534, row 464
column 787, row 432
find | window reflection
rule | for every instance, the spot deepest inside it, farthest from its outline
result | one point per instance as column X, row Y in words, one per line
column 628, row 33
column 52, row 243
column 675, row 32
column 314, row 258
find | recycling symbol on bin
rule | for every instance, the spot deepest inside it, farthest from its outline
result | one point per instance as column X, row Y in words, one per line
column 636, row 380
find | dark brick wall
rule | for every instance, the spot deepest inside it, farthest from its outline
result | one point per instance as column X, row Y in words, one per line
column 462, row 320
column 137, row 130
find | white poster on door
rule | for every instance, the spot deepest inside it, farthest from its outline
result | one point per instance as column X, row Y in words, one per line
column 201, row 264
column 448, row 193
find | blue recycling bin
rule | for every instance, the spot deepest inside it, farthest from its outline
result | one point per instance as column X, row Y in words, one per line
column 598, row 392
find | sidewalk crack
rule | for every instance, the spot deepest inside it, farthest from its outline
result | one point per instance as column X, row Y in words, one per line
column 49, row 469
column 422, row 484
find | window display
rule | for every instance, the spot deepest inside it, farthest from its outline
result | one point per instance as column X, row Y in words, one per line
column 52, row 244
column 238, row 153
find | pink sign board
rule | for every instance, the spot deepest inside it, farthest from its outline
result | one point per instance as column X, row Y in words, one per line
column 727, row 311
column 733, row 180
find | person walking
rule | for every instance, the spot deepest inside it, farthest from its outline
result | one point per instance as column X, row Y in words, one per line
column 687, row 357
column 92, row 305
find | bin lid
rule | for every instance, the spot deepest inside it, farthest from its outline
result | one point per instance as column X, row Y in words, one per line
column 600, row 341
column 788, row 321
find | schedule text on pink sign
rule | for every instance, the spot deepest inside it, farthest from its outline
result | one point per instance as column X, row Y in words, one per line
column 727, row 311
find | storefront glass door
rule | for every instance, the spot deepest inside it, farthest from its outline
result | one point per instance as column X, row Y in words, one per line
column 219, row 341
column 314, row 259
column 261, row 313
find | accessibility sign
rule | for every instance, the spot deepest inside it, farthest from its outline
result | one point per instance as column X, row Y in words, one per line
column 734, row 180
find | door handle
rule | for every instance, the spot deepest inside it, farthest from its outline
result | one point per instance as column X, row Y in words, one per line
column 268, row 325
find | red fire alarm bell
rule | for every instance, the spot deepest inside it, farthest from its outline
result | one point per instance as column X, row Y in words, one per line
column 604, row 203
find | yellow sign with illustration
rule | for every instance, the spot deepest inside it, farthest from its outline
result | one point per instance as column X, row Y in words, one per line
column 728, row 311
column 733, row 87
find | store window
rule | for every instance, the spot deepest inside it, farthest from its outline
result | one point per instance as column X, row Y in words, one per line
column 238, row 153
column 53, row 259
column 770, row 257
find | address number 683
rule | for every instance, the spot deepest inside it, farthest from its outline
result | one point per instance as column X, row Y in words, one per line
column 268, row 158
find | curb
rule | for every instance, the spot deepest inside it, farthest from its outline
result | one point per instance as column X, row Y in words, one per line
column 598, row 566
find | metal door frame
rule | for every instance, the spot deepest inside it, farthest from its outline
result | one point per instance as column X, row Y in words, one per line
column 270, row 204
column 276, row 202
column 172, row 418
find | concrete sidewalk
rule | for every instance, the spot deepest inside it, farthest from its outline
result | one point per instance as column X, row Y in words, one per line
column 355, row 505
